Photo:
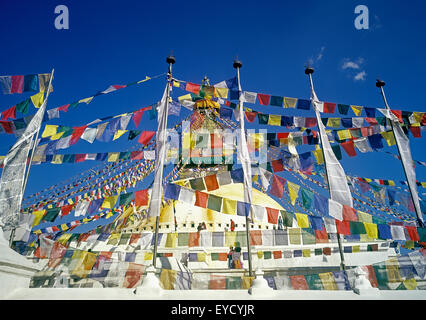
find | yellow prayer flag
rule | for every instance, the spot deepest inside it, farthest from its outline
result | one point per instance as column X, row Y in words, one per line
column 176, row 84
column 357, row 110
column 344, row 134
column 259, row 254
column 168, row 279
column 113, row 156
column 389, row 137
column 201, row 257
column 57, row 158
column 423, row 184
column 185, row 97
column 356, row 249
column 230, row 238
column 171, row 241
column 64, row 238
column 38, row 215
column 86, row 100
column 293, row 189
column 246, row 282
column 410, row 284
column 229, row 206
column 119, row 133
column 318, row 156
column 109, row 202
column 57, row 136
column 221, row 92
column 333, row 122
column 418, row 116
column 84, row 264
column 306, row 253
column 146, row 79
column 49, row 130
column 274, row 120
column 290, row 102
column 364, row 217
column 148, row 256
column 392, row 270
column 327, row 280
column 43, row 81
column 302, row 220
column 37, row 99
column 371, row 229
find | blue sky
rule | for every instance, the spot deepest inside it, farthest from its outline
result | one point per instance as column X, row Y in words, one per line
column 118, row 42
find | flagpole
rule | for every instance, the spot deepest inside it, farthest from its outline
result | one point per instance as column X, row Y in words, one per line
column 170, row 60
column 309, row 71
column 380, row 84
column 237, row 65
column 27, row 174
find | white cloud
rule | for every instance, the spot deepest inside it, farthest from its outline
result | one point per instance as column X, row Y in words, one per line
column 350, row 65
column 319, row 56
column 360, row 76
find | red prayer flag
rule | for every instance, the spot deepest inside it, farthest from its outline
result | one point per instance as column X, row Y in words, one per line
column 134, row 238
column 343, row 227
column 216, row 141
column 348, row 146
column 194, row 239
column 192, row 87
column 299, row 282
column 321, row 236
column 17, row 84
column 371, row 275
column 349, row 214
column 201, row 199
column 278, row 254
column 138, row 115
column 250, row 116
column 329, row 107
column 282, row 135
column 263, row 99
column 136, row 155
column 64, row 108
column 141, row 198
column 217, row 282
column 255, row 237
column 277, row 187
column 77, row 133
column 145, row 137
column 7, row 126
column 371, row 121
column 65, row 210
column 416, row 132
column 310, row 122
column 9, row 113
column 272, row 215
column 398, row 114
column 277, row 165
column 412, row 231
column 119, row 86
column 211, row 182
column 80, row 157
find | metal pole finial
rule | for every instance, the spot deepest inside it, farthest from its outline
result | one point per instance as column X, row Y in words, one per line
column 171, row 59
column 309, row 70
column 380, row 83
column 237, row 63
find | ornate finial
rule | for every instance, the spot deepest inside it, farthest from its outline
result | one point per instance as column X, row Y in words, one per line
column 170, row 59
column 380, row 83
column 206, row 81
column 237, row 63
column 309, row 69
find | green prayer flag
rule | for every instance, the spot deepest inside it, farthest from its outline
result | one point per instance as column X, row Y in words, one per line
column 357, row 227
column 133, row 134
column 183, row 240
column 214, row 203
column 233, row 283
column 287, row 218
column 381, row 275
column 267, row 255
column 308, row 236
column 318, row 252
column 51, row 214
column 126, row 198
column 124, row 238
column 337, row 151
column 277, row 101
column 263, row 118
column 314, row 282
column 197, row 184
column 343, row 108
column 307, row 197
column 241, row 238
column 22, row 107
column 214, row 255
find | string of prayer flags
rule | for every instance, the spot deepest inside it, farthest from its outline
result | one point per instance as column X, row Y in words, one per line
column 24, row 83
